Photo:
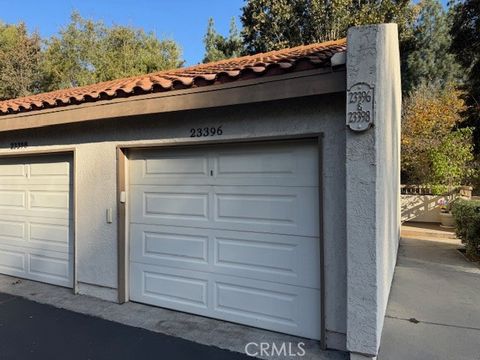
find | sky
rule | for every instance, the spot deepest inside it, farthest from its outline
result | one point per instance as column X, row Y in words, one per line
column 184, row 21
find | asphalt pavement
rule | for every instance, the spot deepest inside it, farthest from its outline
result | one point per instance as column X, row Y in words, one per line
column 29, row 330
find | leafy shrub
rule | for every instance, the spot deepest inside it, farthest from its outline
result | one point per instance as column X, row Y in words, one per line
column 451, row 161
column 440, row 189
column 435, row 151
column 429, row 114
column 467, row 218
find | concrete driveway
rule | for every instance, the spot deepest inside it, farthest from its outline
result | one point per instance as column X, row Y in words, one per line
column 29, row 330
column 434, row 306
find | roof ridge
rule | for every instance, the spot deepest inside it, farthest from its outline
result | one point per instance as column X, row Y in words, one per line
column 341, row 41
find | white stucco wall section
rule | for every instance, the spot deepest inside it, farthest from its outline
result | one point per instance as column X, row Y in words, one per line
column 372, row 185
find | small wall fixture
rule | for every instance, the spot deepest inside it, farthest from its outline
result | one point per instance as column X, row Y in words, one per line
column 109, row 216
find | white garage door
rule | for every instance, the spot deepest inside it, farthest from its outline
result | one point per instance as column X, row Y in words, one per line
column 35, row 219
column 229, row 232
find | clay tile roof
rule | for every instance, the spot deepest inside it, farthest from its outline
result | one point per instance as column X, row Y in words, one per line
column 242, row 68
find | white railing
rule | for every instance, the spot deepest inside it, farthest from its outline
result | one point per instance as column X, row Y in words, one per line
column 420, row 205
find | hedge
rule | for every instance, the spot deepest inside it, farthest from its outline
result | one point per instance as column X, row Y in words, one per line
column 467, row 220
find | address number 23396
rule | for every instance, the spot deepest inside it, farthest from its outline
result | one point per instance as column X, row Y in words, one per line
column 206, row 131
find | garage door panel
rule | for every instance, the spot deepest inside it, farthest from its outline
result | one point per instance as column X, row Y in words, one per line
column 273, row 306
column 53, row 237
column 176, row 166
column 12, row 199
column 177, row 289
column 279, row 258
column 49, row 200
column 172, row 203
column 12, row 171
column 170, row 246
column 251, row 255
column 255, row 208
column 270, row 305
column 267, row 164
column 169, row 168
column 253, row 162
column 160, row 244
column 18, row 172
column 12, row 230
column 267, row 209
column 12, row 261
column 49, row 170
column 51, row 267
column 13, row 233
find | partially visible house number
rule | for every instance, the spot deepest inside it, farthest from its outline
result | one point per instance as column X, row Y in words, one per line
column 18, row 145
column 360, row 107
column 206, row 131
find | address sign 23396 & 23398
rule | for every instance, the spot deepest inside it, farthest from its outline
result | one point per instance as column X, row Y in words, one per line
column 360, row 107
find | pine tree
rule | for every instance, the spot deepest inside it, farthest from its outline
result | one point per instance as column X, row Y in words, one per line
column 430, row 60
column 218, row 47
column 466, row 46
column 211, row 40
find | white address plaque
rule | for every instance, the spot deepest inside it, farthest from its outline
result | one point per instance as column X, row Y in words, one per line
column 360, row 107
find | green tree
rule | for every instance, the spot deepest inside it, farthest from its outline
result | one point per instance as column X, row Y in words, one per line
column 20, row 55
column 429, row 60
column 69, row 58
column 451, row 161
column 88, row 51
column 466, row 46
column 218, row 47
column 275, row 24
column 126, row 52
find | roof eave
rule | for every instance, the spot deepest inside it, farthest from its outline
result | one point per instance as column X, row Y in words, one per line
column 296, row 84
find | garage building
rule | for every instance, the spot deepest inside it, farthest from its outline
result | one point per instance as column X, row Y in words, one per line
column 261, row 190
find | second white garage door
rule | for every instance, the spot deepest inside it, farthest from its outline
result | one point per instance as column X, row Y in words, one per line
column 229, row 232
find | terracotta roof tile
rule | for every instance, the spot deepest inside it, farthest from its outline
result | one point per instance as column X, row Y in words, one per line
column 247, row 67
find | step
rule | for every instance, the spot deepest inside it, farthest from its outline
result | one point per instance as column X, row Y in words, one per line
column 427, row 230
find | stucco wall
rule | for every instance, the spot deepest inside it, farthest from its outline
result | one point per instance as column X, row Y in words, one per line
column 388, row 132
column 373, row 185
column 95, row 178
